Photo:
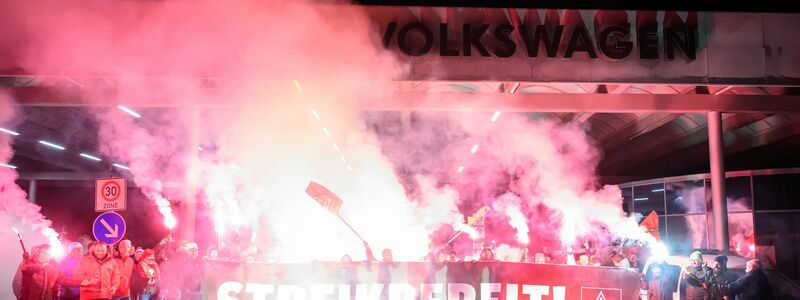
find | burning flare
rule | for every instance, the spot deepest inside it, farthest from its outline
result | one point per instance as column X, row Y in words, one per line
column 519, row 222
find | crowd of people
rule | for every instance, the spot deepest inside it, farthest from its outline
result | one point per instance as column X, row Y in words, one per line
column 124, row 272
column 171, row 271
column 702, row 282
column 716, row 282
column 611, row 256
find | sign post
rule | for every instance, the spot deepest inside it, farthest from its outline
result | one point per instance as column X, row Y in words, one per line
column 109, row 227
column 110, row 195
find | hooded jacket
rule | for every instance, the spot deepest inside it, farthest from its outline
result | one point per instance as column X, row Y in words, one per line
column 753, row 286
column 718, row 281
column 696, row 290
column 38, row 281
column 126, row 271
column 106, row 273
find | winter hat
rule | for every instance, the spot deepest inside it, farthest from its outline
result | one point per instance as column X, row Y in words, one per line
column 139, row 250
column 191, row 246
column 148, row 253
column 73, row 246
column 696, row 255
column 722, row 260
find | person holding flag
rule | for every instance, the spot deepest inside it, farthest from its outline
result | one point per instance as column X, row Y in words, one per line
column 333, row 203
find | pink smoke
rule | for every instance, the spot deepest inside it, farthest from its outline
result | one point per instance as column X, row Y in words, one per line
column 741, row 232
column 263, row 125
column 509, row 205
column 549, row 164
column 518, row 221
column 538, row 175
column 149, row 148
column 274, row 88
column 15, row 210
column 693, row 199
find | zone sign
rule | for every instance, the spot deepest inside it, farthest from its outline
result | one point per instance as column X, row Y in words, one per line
column 110, row 194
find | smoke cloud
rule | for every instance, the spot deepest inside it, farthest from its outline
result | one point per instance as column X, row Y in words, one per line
column 270, row 91
column 693, row 200
column 261, row 141
column 15, row 209
column 741, row 233
column 537, row 175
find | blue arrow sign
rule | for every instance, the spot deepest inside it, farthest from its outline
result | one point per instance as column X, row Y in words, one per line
column 109, row 228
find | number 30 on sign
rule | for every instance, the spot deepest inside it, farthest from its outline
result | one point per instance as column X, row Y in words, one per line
column 110, row 194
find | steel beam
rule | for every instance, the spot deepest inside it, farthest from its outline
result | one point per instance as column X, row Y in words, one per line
column 507, row 102
column 610, row 103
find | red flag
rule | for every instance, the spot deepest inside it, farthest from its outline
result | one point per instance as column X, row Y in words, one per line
column 650, row 225
column 324, row 197
column 478, row 216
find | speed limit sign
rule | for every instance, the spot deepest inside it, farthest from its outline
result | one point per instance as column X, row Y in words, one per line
column 110, row 194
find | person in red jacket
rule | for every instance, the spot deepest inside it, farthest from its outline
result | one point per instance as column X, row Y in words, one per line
column 146, row 276
column 98, row 273
column 41, row 276
column 126, row 270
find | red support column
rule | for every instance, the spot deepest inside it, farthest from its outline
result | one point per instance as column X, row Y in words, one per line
column 717, row 161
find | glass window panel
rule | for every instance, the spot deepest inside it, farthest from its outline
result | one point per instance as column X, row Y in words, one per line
column 738, row 195
column 627, row 200
column 647, row 198
column 737, row 191
column 777, row 242
column 686, row 232
column 740, row 233
column 740, row 230
column 685, row 197
column 775, row 192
